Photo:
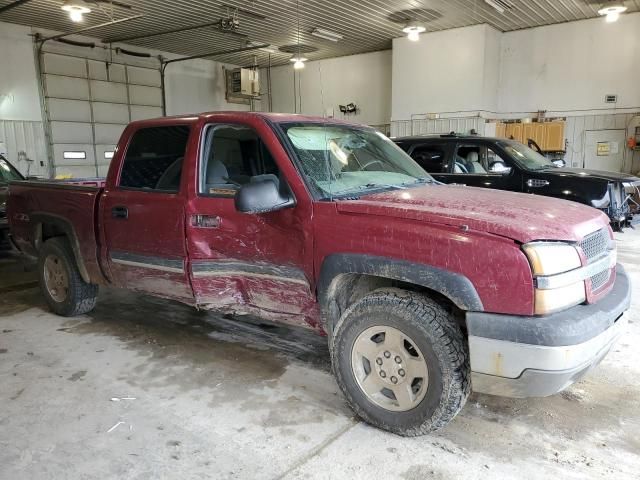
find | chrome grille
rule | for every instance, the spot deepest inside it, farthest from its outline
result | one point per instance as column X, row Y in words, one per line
column 595, row 245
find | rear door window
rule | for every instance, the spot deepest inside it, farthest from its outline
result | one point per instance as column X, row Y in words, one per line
column 432, row 157
column 155, row 158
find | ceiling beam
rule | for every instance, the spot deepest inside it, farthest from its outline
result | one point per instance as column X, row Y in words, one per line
column 215, row 54
column 15, row 4
column 93, row 27
column 173, row 30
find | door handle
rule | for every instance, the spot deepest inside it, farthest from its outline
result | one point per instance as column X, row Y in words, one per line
column 205, row 221
column 120, row 212
column 537, row 183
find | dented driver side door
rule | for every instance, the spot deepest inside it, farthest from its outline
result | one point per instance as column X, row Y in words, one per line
column 247, row 263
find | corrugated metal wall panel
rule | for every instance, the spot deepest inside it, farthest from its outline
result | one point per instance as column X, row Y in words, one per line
column 28, row 137
column 403, row 128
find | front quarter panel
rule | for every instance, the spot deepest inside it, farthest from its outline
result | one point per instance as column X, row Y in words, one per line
column 494, row 265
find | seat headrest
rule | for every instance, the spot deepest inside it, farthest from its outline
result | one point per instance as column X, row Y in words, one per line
column 217, row 172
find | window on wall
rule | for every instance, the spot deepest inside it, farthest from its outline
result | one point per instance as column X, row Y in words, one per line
column 234, row 155
column 154, row 159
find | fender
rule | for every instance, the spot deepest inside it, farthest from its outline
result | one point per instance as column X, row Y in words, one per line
column 454, row 286
column 39, row 218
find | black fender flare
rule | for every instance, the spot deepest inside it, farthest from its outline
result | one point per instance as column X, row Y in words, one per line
column 454, row 286
column 40, row 218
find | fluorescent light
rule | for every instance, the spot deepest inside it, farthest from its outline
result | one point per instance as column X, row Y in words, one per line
column 326, row 34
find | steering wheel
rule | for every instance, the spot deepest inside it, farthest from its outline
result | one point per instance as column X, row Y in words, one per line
column 372, row 162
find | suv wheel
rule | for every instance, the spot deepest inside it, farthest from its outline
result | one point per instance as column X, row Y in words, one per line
column 401, row 361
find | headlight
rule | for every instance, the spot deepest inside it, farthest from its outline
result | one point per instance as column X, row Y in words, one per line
column 553, row 258
column 549, row 258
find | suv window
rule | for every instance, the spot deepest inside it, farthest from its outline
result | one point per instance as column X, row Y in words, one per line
column 478, row 160
column 234, row 155
column 154, row 159
column 432, row 158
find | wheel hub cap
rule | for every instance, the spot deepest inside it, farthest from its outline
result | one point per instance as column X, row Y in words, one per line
column 55, row 278
column 389, row 368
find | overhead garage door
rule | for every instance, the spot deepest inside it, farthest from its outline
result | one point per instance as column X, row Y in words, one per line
column 88, row 103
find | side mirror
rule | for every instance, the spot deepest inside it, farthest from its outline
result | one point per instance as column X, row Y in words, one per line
column 560, row 163
column 261, row 197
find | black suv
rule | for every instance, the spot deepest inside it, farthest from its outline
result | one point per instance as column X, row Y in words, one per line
column 510, row 165
column 7, row 173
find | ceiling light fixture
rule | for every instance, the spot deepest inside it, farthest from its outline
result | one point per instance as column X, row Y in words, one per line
column 612, row 11
column 76, row 8
column 298, row 62
column 326, row 34
column 413, row 30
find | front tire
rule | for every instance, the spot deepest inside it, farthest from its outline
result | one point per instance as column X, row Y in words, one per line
column 401, row 362
column 66, row 293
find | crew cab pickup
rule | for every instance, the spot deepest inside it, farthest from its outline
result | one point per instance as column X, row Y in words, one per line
column 509, row 165
column 424, row 290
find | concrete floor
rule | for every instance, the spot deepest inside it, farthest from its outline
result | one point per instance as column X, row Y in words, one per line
column 210, row 397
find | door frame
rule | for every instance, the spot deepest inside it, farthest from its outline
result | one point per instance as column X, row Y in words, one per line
column 622, row 146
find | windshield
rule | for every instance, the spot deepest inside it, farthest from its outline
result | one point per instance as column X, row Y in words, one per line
column 342, row 159
column 528, row 158
column 7, row 172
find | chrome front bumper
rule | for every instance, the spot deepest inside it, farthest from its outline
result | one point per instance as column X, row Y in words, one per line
column 539, row 356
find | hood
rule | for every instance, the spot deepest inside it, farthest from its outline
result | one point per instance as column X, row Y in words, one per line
column 518, row 216
column 592, row 174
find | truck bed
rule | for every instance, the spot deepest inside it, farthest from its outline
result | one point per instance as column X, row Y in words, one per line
column 39, row 209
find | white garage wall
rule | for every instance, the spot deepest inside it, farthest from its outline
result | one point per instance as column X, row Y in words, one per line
column 450, row 71
column 21, row 127
column 197, row 86
column 571, row 66
column 361, row 79
column 19, row 98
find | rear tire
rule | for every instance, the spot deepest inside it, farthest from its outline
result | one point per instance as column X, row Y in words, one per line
column 66, row 293
column 401, row 362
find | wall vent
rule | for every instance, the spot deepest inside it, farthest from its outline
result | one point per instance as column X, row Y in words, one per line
column 610, row 98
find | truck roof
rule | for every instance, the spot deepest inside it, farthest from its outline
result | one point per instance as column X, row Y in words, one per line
column 273, row 117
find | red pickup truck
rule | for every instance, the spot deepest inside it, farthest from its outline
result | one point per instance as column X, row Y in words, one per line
column 424, row 290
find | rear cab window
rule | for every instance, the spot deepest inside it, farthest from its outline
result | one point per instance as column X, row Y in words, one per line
column 154, row 159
